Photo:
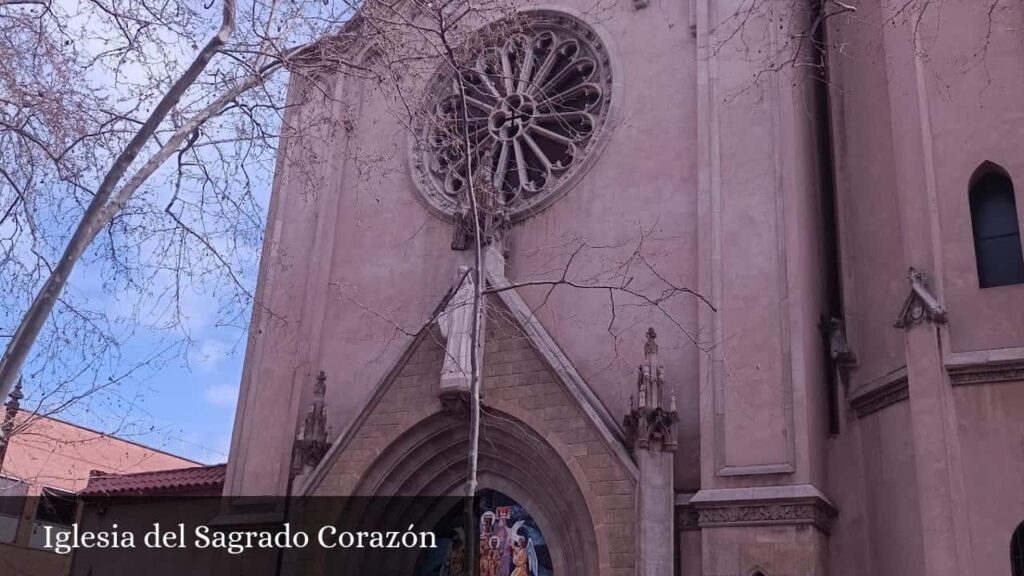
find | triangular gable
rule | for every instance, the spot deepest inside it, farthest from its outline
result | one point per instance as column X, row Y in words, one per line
column 601, row 419
column 920, row 304
column 420, row 362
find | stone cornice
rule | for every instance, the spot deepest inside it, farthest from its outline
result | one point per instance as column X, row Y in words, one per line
column 801, row 504
column 686, row 514
column 893, row 389
column 986, row 372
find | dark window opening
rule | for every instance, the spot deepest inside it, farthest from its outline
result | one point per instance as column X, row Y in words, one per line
column 1017, row 551
column 12, row 503
column 997, row 245
column 56, row 507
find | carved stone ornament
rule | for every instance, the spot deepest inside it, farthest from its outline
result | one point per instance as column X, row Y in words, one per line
column 987, row 372
column 920, row 305
column 456, row 324
column 816, row 513
column 839, row 348
column 649, row 421
column 538, row 93
column 311, row 441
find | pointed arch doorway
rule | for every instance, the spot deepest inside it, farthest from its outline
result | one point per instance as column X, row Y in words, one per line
column 518, row 470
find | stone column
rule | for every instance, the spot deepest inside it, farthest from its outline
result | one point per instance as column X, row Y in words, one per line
column 936, row 446
column 651, row 435
column 761, row 506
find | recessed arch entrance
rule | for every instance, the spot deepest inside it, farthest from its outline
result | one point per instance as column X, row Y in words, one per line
column 431, row 460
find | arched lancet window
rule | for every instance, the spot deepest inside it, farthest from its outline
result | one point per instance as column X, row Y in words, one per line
column 1017, row 551
column 997, row 246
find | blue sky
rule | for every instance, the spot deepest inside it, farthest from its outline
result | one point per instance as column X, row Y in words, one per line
column 184, row 402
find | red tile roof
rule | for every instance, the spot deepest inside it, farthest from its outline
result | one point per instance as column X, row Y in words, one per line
column 197, row 479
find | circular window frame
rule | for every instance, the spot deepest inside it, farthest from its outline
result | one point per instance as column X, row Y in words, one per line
column 438, row 202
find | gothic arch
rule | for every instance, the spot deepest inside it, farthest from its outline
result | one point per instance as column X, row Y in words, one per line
column 984, row 169
column 996, row 228
column 431, row 460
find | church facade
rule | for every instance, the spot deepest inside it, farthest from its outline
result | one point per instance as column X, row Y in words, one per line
column 742, row 282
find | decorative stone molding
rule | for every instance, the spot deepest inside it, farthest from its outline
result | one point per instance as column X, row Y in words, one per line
column 764, row 506
column 686, row 514
column 687, row 518
column 986, row 373
column 920, row 305
column 890, row 392
column 762, row 514
column 538, row 89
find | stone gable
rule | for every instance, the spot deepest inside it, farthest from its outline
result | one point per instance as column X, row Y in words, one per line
column 517, row 383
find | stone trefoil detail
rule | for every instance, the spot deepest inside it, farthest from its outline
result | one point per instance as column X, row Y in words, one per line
column 920, row 305
column 311, row 441
column 651, row 421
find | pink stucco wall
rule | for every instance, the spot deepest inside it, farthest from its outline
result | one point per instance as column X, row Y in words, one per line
column 913, row 120
column 721, row 172
column 381, row 262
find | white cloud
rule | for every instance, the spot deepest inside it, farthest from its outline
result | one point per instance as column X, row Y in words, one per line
column 210, row 354
column 225, row 395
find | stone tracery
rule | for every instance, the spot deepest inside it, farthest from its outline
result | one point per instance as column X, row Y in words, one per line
column 537, row 97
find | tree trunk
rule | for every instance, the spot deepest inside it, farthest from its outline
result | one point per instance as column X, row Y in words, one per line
column 100, row 212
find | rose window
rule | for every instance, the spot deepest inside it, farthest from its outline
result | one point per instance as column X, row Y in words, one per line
column 536, row 96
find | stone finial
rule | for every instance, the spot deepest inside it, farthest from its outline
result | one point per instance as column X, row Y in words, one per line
column 7, row 427
column 651, row 345
column 650, row 422
column 320, row 389
column 16, row 394
column 311, row 441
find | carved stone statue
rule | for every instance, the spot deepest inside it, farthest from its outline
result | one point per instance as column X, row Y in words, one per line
column 456, row 323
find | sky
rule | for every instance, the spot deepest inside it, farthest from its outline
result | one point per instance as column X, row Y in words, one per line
column 184, row 402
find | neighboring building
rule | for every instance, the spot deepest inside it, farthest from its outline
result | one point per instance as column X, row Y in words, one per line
column 134, row 502
column 855, row 403
column 48, row 461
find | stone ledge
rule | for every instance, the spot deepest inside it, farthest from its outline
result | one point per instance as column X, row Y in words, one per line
column 890, row 390
column 800, row 504
column 686, row 514
column 990, row 369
